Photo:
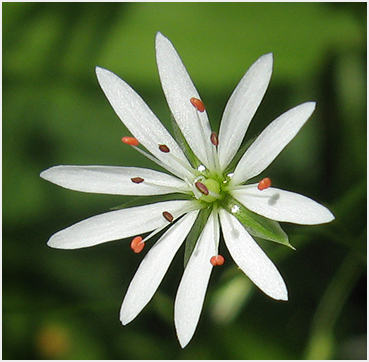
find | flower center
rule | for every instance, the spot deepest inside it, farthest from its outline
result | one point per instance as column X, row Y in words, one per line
column 207, row 189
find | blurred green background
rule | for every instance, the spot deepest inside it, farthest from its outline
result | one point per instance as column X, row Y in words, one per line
column 60, row 304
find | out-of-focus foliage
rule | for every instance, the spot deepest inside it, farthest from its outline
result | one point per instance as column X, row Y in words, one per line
column 65, row 304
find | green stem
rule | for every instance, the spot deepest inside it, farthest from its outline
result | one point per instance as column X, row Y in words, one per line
column 322, row 340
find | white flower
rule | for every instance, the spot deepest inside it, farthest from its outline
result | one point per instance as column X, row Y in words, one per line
column 216, row 197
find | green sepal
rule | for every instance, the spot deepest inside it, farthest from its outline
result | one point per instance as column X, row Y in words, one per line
column 145, row 200
column 181, row 140
column 195, row 232
column 257, row 225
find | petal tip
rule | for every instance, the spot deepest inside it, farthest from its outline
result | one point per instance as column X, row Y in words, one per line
column 267, row 59
column 52, row 243
column 101, row 73
column 160, row 39
column 43, row 174
column 183, row 341
column 124, row 320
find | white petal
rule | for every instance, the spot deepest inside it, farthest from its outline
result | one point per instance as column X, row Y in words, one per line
column 250, row 258
column 179, row 89
column 192, row 289
column 271, row 142
column 153, row 268
column 118, row 224
column 140, row 120
column 242, row 106
column 113, row 180
column 282, row 205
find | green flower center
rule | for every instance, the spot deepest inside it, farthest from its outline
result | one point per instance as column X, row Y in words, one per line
column 209, row 190
column 214, row 190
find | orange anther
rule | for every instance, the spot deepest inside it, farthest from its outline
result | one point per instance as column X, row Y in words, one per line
column 137, row 180
column 198, row 104
column 168, row 216
column 217, row 260
column 264, row 183
column 137, row 245
column 130, row 141
column 164, row 148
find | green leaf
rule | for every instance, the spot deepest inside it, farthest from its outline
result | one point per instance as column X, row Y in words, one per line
column 195, row 232
column 257, row 225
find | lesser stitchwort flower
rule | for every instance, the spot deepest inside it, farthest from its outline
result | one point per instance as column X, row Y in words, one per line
column 207, row 187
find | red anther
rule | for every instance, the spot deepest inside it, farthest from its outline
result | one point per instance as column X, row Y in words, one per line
column 164, row 148
column 264, row 183
column 202, row 188
column 168, row 216
column 137, row 245
column 198, row 104
column 217, row 260
column 137, row 180
column 214, row 139
column 130, row 141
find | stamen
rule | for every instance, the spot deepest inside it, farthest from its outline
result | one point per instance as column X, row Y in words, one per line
column 217, row 260
column 214, row 139
column 198, row 104
column 137, row 245
column 264, row 183
column 130, row 141
column 164, row 148
column 202, row 188
column 137, row 180
column 168, row 216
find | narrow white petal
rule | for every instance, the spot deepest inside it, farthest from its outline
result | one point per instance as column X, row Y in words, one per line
column 191, row 292
column 179, row 89
column 271, row 142
column 114, row 180
column 140, row 120
column 118, row 224
column 242, row 106
column 250, row 258
column 282, row 205
column 153, row 268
